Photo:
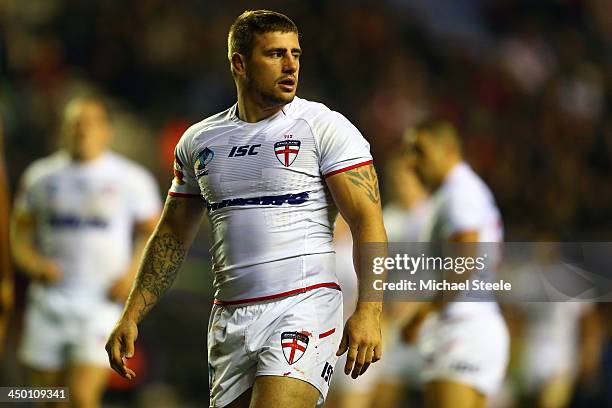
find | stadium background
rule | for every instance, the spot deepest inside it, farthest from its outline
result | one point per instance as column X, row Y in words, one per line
column 528, row 84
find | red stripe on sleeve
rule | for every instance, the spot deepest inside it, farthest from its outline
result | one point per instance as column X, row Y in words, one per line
column 342, row 170
column 183, row 195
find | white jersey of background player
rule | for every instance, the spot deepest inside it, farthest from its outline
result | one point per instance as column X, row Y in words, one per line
column 74, row 220
column 269, row 170
column 465, row 344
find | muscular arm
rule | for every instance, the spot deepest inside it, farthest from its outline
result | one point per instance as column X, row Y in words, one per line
column 164, row 254
column 356, row 194
column 162, row 258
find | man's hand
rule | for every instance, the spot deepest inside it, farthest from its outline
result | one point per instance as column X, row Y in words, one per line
column 120, row 345
column 411, row 328
column 363, row 341
column 120, row 289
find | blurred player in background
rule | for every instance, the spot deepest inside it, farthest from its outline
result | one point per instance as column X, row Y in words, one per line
column 73, row 225
column 273, row 171
column 556, row 344
column 6, row 273
column 404, row 216
column 560, row 344
column 464, row 345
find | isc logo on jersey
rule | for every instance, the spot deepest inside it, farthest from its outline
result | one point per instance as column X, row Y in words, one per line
column 244, row 150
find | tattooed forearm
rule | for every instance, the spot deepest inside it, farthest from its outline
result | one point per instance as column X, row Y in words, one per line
column 365, row 178
column 162, row 259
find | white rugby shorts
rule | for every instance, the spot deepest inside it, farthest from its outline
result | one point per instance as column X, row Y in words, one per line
column 295, row 336
column 469, row 349
column 52, row 340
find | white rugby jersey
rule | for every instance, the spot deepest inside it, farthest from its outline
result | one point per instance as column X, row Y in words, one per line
column 270, row 210
column 406, row 224
column 464, row 203
column 85, row 214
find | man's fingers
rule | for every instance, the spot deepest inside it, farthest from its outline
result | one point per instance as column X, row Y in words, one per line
column 343, row 344
column 114, row 356
column 368, row 360
column 377, row 353
column 350, row 359
column 360, row 361
column 116, row 349
column 129, row 374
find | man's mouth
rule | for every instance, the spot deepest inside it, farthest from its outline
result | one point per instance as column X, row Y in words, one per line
column 287, row 84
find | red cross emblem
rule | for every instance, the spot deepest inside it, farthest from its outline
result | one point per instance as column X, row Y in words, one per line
column 294, row 345
column 287, row 151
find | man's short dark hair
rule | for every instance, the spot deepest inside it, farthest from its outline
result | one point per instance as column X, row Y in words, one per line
column 252, row 22
column 441, row 130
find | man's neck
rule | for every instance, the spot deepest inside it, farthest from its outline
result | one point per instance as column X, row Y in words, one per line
column 252, row 112
column 85, row 159
column 452, row 163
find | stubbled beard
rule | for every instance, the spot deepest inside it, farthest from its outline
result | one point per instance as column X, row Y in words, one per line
column 267, row 98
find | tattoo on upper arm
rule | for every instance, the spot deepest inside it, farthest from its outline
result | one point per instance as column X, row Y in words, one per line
column 163, row 257
column 365, row 178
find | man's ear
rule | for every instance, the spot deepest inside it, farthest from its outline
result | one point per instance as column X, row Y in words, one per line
column 238, row 63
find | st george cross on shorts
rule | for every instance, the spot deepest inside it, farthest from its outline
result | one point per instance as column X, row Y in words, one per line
column 294, row 345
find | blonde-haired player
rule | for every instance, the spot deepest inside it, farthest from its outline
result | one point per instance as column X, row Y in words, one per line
column 73, row 224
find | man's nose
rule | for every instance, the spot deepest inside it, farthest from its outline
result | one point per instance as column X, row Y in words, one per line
column 290, row 64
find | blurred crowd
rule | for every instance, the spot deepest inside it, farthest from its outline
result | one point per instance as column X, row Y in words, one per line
column 527, row 83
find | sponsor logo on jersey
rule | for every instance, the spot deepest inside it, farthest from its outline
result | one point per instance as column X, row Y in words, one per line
column 286, row 151
column 294, row 345
column 291, row 199
column 204, row 159
column 69, row 221
column 464, row 367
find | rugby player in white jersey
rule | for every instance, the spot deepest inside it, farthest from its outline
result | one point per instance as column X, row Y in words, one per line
column 464, row 344
column 271, row 173
column 73, row 226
